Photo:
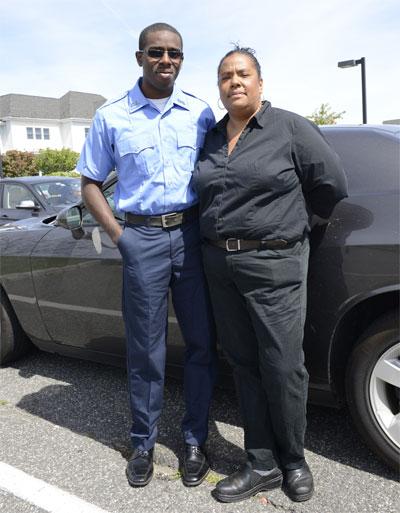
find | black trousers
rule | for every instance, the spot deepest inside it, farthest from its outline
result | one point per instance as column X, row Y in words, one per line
column 259, row 302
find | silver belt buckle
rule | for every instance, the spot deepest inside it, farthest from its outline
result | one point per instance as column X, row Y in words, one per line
column 237, row 248
column 172, row 219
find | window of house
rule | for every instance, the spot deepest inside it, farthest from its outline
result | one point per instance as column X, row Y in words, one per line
column 86, row 131
column 39, row 133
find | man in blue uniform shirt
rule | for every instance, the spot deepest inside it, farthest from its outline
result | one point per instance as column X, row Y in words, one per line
column 152, row 136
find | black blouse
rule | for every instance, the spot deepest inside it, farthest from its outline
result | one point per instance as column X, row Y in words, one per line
column 281, row 170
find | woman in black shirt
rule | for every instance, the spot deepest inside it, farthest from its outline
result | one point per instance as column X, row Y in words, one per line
column 263, row 172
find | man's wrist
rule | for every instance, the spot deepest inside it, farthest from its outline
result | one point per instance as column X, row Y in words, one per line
column 116, row 234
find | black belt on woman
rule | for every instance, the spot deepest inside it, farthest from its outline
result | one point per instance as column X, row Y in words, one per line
column 243, row 244
column 164, row 220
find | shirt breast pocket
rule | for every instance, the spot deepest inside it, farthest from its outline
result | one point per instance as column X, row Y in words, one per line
column 188, row 149
column 138, row 152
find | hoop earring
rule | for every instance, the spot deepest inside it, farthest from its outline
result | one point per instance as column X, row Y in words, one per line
column 221, row 107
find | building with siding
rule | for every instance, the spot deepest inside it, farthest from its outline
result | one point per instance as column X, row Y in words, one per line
column 30, row 123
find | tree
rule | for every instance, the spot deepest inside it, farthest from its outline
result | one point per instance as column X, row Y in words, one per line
column 325, row 116
column 19, row 163
column 56, row 161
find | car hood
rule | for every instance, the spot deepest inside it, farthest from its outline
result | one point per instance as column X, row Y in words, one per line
column 31, row 223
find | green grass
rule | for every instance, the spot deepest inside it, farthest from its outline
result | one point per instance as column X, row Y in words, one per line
column 213, row 478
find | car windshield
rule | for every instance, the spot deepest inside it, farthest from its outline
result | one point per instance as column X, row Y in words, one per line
column 60, row 192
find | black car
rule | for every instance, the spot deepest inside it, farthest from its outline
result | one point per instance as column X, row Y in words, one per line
column 61, row 290
column 36, row 196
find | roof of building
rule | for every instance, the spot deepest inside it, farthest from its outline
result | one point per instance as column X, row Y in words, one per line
column 73, row 104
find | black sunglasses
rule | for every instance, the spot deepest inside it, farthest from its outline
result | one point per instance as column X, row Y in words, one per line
column 158, row 53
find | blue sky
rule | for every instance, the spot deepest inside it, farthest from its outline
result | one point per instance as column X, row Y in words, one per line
column 48, row 47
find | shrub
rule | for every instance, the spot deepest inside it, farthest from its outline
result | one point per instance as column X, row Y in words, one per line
column 19, row 163
column 72, row 174
column 56, row 161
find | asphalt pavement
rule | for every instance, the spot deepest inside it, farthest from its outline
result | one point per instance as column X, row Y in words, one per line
column 66, row 422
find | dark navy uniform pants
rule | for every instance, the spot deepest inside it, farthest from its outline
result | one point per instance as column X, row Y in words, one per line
column 154, row 261
column 259, row 301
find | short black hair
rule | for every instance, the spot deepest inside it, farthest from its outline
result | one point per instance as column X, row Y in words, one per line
column 156, row 27
column 244, row 51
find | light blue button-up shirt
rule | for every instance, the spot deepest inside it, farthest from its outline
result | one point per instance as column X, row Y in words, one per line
column 153, row 152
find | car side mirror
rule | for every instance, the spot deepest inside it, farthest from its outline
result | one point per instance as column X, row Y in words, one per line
column 27, row 205
column 71, row 219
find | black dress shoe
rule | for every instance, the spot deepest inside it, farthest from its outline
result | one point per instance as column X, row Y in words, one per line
column 245, row 483
column 139, row 470
column 298, row 483
column 195, row 465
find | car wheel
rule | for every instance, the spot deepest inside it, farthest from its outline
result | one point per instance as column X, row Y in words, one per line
column 13, row 341
column 373, row 387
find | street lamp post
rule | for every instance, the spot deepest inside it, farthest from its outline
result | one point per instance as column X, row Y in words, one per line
column 2, row 123
column 350, row 64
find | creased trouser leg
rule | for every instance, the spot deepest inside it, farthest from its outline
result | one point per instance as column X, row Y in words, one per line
column 259, row 303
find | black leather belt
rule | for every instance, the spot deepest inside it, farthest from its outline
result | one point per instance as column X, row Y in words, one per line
column 243, row 245
column 165, row 220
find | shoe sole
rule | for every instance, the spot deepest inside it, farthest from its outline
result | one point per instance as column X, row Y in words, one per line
column 300, row 497
column 262, row 487
column 139, row 484
column 196, row 483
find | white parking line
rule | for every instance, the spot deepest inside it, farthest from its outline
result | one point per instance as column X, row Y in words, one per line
column 41, row 494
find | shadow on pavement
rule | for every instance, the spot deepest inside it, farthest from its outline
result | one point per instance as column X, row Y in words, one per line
column 91, row 399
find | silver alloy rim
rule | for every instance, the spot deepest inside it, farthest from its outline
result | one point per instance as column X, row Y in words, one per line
column 385, row 374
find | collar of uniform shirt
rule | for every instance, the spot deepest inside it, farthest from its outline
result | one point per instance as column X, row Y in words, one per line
column 258, row 118
column 137, row 100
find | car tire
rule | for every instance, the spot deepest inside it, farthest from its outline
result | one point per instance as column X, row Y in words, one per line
column 373, row 387
column 13, row 341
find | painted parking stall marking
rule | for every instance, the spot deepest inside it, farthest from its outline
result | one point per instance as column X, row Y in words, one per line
column 41, row 494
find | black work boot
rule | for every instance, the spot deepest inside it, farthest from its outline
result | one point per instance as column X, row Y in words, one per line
column 245, row 483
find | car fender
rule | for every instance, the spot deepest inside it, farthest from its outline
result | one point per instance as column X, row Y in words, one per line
column 354, row 317
column 16, row 279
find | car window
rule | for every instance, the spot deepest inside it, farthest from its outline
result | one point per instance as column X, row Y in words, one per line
column 59, row 193
column 88, row 219
column 14, row 194
column 371, row 159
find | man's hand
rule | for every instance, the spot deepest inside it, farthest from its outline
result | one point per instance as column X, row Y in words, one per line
column 97, row 205
column 115, row 235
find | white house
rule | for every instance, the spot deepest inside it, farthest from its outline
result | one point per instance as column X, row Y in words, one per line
column 30, row 123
